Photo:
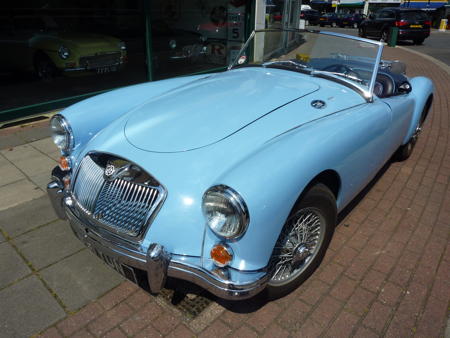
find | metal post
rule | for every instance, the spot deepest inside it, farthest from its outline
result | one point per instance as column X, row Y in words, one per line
column 366, row 7
column 148, row 40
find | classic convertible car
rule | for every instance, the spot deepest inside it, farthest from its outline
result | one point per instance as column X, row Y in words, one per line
column 234, row 180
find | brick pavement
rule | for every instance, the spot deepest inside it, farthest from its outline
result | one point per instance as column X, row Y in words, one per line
column 386, row 272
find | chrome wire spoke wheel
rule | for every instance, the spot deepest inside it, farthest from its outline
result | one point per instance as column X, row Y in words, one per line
column 297, row 245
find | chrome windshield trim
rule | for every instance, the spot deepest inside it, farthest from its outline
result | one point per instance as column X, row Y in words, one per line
column 351, row 37
column 342, row 80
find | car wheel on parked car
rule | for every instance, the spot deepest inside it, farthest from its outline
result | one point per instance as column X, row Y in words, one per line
column 384, row 35
column 303, row 241
column 362, row 32
column 44, row 67
column 355, row 25
column 333, row 24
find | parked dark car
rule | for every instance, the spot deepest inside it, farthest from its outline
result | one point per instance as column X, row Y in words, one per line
column 310, row 15
column 352, row 20
column 413, row 24
column 329, row 19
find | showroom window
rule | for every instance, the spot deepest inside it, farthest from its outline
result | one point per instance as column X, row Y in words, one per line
column 55, row 52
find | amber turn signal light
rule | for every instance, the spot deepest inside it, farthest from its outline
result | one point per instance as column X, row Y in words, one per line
column 221, row 255
column 64, row 163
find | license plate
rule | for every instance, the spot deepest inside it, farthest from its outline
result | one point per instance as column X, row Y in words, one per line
column 124, row 270
column 102, row 70
column 322, row 19
column 415, row 26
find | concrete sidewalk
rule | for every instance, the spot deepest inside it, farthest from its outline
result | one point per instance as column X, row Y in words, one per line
column 386, row 272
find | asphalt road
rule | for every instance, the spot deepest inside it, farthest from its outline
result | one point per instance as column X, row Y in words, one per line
column 437, row 45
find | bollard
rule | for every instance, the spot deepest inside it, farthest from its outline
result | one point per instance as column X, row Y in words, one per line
column 393, row 34
column 443, row 25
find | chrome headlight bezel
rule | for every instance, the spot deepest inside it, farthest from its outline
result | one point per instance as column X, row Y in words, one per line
column 225, row 212
column 61, row 133
column 63, row 52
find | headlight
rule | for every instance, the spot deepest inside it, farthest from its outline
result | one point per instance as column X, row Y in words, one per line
column 61, row 133
column 172, row 44
column 225, row 211
column 122, row 45
column 63, row 52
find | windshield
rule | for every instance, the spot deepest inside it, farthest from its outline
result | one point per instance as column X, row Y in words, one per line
column 341, row 58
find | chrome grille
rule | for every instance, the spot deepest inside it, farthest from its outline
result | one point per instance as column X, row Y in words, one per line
column 124, row 205
column 89, row 184
column 120, row 205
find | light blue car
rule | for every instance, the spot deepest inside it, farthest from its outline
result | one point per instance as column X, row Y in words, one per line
column 234, row 180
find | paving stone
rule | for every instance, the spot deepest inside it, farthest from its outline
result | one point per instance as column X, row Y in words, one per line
column 19, row 153
column 41, row 180
column 45, row 145
column 80, row 278
column 10, row 140
column 48, row 244
column 19, row 192
column 22, row 218
column 27, row 308
column 35, row 164
column 12, row 266
column 9, row 173
column 2, row 239
column 34, row 133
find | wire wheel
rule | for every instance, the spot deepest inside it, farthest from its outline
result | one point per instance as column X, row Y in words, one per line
column 297, row 245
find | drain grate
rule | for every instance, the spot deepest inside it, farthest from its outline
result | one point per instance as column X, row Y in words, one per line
column 189, row 304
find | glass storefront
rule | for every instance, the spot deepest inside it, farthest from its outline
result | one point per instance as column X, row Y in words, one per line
column 59, row 51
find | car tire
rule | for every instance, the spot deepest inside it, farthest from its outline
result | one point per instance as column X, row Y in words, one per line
column 362, row 32
column 418, row 41
column 44, row 67
column 384, row 36
column 333, row 24
column 355, row 25
column 316, row 213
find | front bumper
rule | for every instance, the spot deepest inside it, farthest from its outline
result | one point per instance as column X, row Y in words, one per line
column 132, row 259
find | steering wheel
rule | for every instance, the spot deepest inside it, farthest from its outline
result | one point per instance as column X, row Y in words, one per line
column 339, row 68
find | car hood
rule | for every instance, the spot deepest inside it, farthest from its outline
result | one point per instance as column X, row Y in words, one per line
column 85, row 40
column 208, row 110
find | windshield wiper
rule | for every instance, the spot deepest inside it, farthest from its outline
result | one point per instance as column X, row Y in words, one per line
column 350, row 77
column 288, row 64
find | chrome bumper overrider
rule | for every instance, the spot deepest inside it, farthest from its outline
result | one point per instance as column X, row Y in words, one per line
column 155, row 260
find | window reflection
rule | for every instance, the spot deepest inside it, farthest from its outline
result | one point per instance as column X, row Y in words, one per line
column 192, row 36
column 55, row 49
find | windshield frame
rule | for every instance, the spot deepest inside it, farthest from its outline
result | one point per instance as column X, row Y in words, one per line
column 367, row 93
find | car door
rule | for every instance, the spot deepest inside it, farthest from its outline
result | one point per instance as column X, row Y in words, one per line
column 383, row 22
column 370, row 23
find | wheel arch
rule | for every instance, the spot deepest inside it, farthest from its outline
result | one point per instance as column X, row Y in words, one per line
column 423, row 94
column 329, row 177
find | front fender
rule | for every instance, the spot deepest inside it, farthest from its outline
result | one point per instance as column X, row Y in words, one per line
column 270, row 181
column 422, row 89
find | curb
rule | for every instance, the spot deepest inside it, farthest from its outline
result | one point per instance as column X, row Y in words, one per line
column 429, row 58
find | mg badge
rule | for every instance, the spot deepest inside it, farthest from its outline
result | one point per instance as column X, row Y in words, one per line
column 109, row 170
column 318, row 104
